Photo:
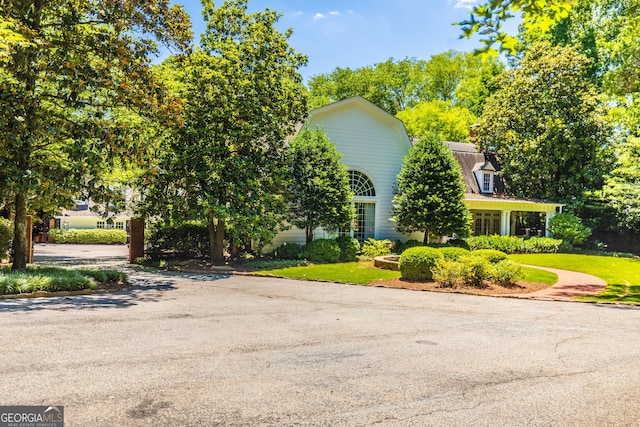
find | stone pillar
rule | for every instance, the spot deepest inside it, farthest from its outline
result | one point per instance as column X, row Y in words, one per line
column 29, row 239
column 136, row 239
column 505, row 223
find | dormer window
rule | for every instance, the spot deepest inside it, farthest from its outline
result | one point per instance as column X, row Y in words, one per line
column 484, row 176
column 487, row 182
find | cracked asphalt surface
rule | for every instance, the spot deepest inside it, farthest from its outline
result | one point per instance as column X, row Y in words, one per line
column 191, row 350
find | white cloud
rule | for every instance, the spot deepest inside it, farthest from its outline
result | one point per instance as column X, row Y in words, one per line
column 319, row 16
column 464, row 4
column 335, row 12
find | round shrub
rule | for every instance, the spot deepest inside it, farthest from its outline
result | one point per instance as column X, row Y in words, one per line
column 349, row 248
column 491, row 255
column 321, row 250
column 459, row 243
column 288, row 251
column 416, row 263
column 505, row 273
column 569, row 228
column 453, row 253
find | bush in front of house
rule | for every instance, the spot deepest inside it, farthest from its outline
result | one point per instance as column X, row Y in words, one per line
column 506, row 244
column 6, row 237
column 288, row 251
column 399, row 247
column 542, row 245
column 505, row 273
column 89, row 237
column 372, row 248
column 452, row 253
column 321, row 250
column 459, row 243
column 349, row 248
column 569, row 228
column 491, row 255
column 416, row 263
column 181, row 241
column 468, row 270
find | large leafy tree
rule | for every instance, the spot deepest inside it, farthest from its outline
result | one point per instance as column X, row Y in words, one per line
column 430, row 192
column 319, row 194
column 440, row 118
column 72, row 74
column 243, row 95
column 548, row 126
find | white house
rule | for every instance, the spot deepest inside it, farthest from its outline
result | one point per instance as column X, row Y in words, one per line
column 374, row 144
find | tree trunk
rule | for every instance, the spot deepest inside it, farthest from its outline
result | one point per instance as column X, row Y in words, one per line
column 426, row 237
column 20, row 249
column 216, row 240
column 309, row 234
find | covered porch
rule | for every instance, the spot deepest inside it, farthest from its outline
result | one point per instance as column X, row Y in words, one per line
column 508, row 217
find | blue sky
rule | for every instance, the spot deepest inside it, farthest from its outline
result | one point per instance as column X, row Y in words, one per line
column 356, row 33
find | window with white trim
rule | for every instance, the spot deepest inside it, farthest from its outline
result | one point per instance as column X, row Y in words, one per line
column 486, row 183
column 100, row 224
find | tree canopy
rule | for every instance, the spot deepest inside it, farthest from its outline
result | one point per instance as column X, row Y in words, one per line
column 430, row 192
column 319, row 194
column 226, row 164
column 75, row 83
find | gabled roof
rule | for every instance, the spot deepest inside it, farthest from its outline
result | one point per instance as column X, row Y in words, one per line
column 470, row 160
column 378, row 112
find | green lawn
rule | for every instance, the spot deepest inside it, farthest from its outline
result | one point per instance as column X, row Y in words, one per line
column 361, row 273
column 621, row 274
column 534, row 275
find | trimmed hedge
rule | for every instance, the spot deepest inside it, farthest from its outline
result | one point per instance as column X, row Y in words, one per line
column 321, row 250
column 492, row 255
column 513, row 244
column 94, row 236
column 453, row 253
column 416, row 263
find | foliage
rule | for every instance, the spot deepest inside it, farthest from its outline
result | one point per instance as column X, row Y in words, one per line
column 505, row 272
column 492, row 255
column 449, row 123
column 273, row 264
column 416, row 263
column 243, row 96
column 548, row 125
column 349, row 248
column 400, row 247
column 76, row 88
column 50, row 279
column 487, row 19
column 453, row 253
column 459, row 243
column 507, row 244
column 319, row 194
column 430, row 192
column 288, row 251
column 6, row 237
column 88, row 236
column 321, row 250
column 537, row 245
column 349, row 272
column 468, row 270
column 181, row 241
column 569, row 228
column 372, row 248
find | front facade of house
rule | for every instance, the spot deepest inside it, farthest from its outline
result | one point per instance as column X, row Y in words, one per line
column 374, row 145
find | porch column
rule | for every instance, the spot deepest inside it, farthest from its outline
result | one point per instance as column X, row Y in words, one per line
column 505, row 223
column 548, row 215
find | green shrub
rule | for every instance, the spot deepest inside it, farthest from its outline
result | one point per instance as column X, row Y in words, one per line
column 104, row 276
column 416, row 263
column 288, row 251
column 372, row 248
column 48, row 279
column 6, row 237
column 89, row 236
column 505, row 273
column 542, row 245
column 182, row 241
column 569, row 228
column 492, row 255
column 321, row 250
column 452, row 253
column 349, row 248
column 399, row 247
column 506, row 244
column 459, row 243
column 467, row 270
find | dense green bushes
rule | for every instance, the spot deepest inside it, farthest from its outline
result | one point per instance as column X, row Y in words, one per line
column 321, row 250
column 349, row 248
column 453, row 253
column 513, row 244
column 372, row 248
column 416, row 263
column 569, row 228
column 476, row 270
column 52, row 279
column 89, row 236
column 6, row 237
column 184, row 241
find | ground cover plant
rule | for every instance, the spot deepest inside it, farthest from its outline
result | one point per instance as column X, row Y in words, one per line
column 53, row 279
column 361, row 273
column 621, row 274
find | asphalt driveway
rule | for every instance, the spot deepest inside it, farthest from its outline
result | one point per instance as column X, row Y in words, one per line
column 233, row 350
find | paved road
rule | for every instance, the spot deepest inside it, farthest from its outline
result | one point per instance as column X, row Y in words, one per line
column 194, row 350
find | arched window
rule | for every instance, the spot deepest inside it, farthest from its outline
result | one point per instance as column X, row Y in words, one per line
column 361, row 185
